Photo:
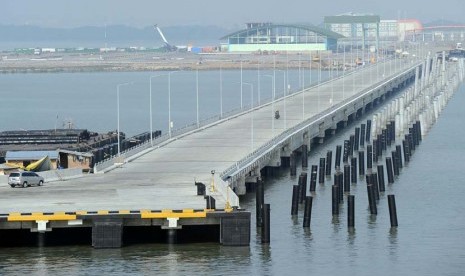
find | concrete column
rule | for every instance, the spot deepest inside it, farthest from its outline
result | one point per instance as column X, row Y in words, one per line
column 435, row 109
column 275, row 160
column 417, row 76
column 374, row 125
column 239, row 186
column 383, row 118
column 401, row 113
column 399, row 132
column 423, row 124
column 427, row 71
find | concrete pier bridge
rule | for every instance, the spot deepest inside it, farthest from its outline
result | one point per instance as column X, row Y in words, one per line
column 157, row 186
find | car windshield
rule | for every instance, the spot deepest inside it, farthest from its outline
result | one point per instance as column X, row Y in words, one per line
column 14, row 174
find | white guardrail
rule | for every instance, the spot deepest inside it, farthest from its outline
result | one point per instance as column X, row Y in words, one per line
column 223, row 181
column 245, row 164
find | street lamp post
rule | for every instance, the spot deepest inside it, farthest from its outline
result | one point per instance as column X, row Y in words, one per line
column 331, row 76
column 197, row 95
column 343, row 72
column 241, row 85
column 285, row 94
column 150, row 104
column 258, row 79
column 169, row 102
column 117, row 111
column 272, row 101
column 251, row 115
column 221, row 92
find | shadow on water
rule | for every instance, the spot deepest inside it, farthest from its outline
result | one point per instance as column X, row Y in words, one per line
column 131, row 236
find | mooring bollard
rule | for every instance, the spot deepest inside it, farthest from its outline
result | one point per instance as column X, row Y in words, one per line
column 412, row 136
column 371, row 200
column 304, row 181
column 301, row 186
column 388, row 134
column 369, row 157
column 408, row 140
column 335, row 200
column 304, row 156
column 329, row 157
column 321, row 175
column 379, row 145
column 380, row 171
column 362, row 135
column 346, row 178
column 416, row 134
column 292, row 164
column 356, row 139
column 351, row 211
column 266, row 224
column 406, row 151
column 361, row 163
column 339, row 179
column 374, row 181
column 395, row 163
column 389, row 170
column 308, row 211
column 393, row 131
column 351, row 145
column 383, row 140
column 375, row 150
column 353, row 169
column 259, row 201
column 392, row 210
column 345, row 156
column 313, row 178
column 295, row 200
column 368, row 133
column 418, row 125
column 336, row 183
column 337, row 162
column 399, row 156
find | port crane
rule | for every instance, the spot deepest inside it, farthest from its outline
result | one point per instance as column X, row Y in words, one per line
column 168, row 47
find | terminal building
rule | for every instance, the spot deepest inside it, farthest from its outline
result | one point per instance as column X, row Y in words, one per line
column 369, row 29
column 269, row 37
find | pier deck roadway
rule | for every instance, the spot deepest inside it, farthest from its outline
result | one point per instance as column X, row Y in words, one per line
column 164, row 177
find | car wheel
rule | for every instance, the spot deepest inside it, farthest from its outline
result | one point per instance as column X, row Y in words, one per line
column 25, row 184
column 41, row 183
column 12, row 186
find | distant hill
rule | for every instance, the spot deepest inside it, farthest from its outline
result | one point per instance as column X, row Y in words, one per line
column 174, row 34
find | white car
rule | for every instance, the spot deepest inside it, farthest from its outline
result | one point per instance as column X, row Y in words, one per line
column 25, row 179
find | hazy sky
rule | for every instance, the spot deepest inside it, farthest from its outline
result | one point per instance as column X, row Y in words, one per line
column 226, row 13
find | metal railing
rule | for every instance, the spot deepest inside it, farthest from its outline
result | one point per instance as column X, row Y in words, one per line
column 265, row 151
column 208, row 122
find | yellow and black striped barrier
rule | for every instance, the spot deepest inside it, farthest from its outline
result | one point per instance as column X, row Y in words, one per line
column 142, row 214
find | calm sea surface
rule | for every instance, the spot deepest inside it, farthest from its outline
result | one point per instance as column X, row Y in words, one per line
column 429, row 195
column 89, row 100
